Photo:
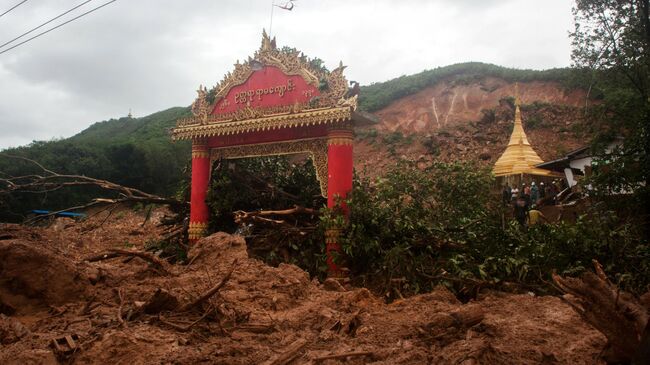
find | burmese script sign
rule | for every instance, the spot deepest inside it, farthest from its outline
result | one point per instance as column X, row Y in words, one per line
column 268, row 90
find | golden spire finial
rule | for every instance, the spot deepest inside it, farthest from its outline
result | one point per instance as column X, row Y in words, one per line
column 516, row 94
column 266, row 41
column 517, row 112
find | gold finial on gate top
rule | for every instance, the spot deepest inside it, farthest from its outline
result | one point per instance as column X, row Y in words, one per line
column 201, row 106
column 267, row 43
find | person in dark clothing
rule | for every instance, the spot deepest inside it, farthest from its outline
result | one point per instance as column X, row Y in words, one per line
column 534, row 193
column 506, row 193
column 526, row 190
column 525, row 194
column 520, row 211
column 553, row 190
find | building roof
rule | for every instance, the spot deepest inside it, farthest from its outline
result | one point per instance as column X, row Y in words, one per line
column 519, row 156
column 563, row 162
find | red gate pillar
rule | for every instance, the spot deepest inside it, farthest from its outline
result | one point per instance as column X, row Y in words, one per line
column 199, row 212
column 339, row 184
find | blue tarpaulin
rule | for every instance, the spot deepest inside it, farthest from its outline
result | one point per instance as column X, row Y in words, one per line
column 60, row 214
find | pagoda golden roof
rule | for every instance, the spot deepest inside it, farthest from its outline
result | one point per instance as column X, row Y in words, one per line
column 519, row 156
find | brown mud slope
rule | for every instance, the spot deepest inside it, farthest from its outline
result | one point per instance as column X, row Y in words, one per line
column 468, row 121
column 451, row 103
column 262, row 315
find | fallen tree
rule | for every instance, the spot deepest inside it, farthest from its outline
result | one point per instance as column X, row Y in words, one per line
column 49, row 181
column 288, row 220
column 618, row 315
column 157, row 263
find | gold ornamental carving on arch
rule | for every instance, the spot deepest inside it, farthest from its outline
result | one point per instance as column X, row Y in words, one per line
column 333, row 84
column 334, row 102
column 188, row 128
column 316, row 148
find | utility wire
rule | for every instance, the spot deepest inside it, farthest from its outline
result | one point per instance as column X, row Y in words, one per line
column 14, row 7
column 58, row 26
column 46, row 23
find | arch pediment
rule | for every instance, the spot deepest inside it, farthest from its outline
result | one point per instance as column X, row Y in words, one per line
column 271, row 83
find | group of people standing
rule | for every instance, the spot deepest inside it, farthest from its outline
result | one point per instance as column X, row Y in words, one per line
column 527, row 198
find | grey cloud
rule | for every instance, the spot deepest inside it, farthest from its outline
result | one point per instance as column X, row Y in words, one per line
column 151, row 54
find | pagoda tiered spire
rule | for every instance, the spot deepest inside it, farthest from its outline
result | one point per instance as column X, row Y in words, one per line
column 519, row 156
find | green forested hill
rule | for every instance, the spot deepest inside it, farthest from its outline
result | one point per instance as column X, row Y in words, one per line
column 135, row 152
column 378, row 95
column 151, row 127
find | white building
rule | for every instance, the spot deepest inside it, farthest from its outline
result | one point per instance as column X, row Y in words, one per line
column 575, row 164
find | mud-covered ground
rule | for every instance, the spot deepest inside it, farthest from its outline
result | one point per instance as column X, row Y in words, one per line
column 262, row 315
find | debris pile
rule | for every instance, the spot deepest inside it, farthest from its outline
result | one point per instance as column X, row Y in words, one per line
column 65, row 298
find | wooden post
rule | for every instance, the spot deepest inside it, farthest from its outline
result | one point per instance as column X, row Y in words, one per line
column 199, row 212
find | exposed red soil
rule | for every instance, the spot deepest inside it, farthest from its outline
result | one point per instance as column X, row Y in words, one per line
column 451, row 102
column 449, row 117
column 261, row 312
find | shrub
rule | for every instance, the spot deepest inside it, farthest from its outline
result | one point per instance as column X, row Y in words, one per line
column 399, row 223
column 393, row 138
column 412, row 230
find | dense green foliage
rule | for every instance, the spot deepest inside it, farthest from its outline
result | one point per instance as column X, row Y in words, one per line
column 135, row 152
column 399, row 222
column 611, row 41
column 412, row 230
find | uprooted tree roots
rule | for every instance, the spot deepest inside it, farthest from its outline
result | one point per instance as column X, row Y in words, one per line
column 620, row 316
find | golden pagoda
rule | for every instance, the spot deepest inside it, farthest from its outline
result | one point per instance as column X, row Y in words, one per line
column 519, row 158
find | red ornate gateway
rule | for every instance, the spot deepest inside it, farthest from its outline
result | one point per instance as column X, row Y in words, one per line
column 273, row 104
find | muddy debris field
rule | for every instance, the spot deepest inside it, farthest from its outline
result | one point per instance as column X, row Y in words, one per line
column 87, row 292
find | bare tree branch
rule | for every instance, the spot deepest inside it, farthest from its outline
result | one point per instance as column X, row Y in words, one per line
column 52, row 181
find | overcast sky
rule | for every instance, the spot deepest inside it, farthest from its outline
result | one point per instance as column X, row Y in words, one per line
column 149, row 55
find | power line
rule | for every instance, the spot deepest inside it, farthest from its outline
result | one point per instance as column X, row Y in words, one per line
column 46, row 23
column 58, row 26
column 14, row 7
